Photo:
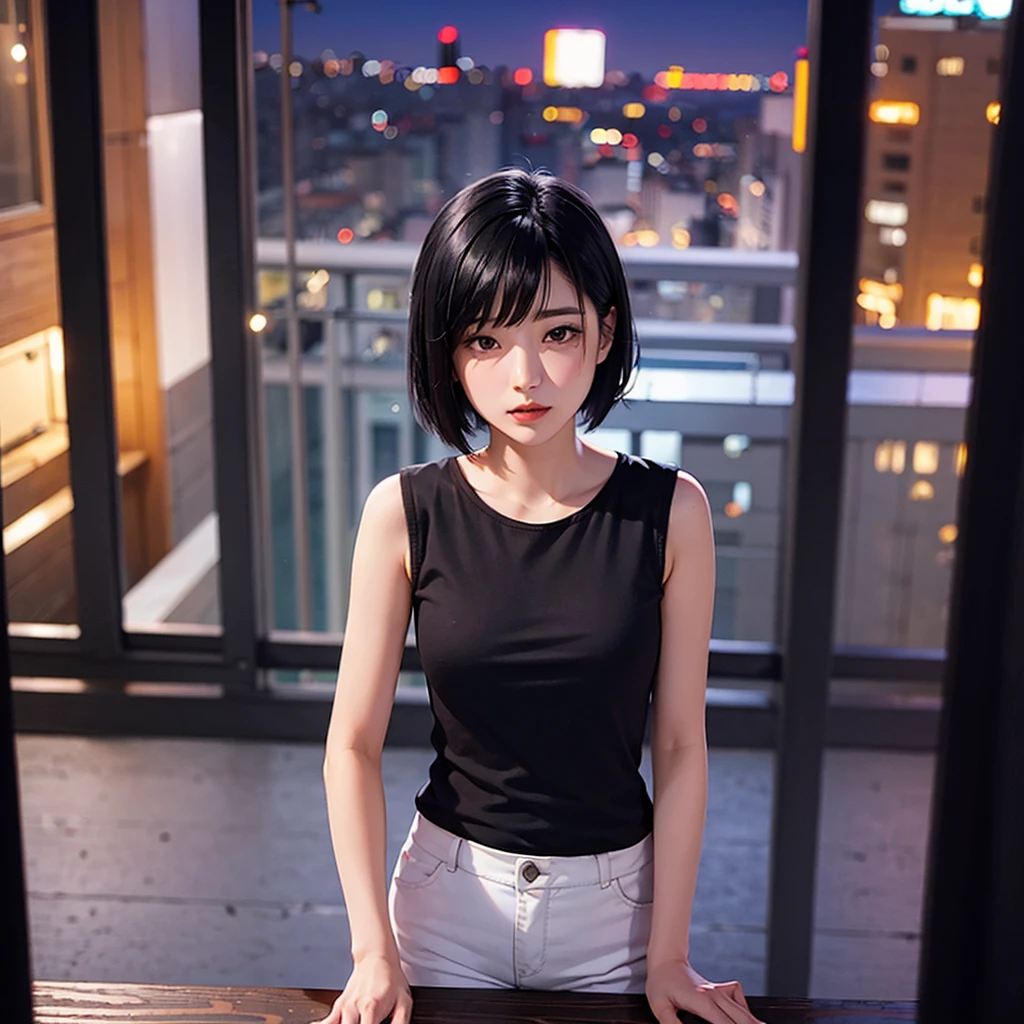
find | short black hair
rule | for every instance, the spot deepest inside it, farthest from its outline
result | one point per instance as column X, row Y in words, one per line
column 497, row 238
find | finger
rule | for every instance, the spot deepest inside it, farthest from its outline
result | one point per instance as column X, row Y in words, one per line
column 333, row 1015
column 706, row 1007
column 349, row 1014
column 736, row 1013
column 735, row 990
column 370, row 1012
column 402, row 1013
column 665, row 1013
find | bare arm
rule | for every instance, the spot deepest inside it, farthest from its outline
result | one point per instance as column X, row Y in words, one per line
column 678, row 741
column 378, row 618
column 679, row 753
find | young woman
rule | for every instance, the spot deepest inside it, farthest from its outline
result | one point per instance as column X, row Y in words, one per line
column 557, row 589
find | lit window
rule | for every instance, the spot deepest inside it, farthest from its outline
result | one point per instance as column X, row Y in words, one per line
column 880, row 211
column 952, row 313
column 992, row 113
column 950, row 67
column 891, row 456
column 892, row 236
column 892, row 112
column 922, row 491
column 926, row 457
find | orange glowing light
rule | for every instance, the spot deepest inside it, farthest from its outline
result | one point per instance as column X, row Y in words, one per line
column 699, row 125
column 522, row 76
column 801, row 94
column 891, row 112
column 448, row 75
column 345, row 235
column 733, row 509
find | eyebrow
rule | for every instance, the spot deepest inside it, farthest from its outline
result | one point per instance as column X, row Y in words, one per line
column 542, row 315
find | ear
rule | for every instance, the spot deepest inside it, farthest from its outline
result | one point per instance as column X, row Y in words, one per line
column 607, row 334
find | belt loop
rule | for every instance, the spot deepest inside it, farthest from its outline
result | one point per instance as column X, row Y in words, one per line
column 604, row 869
column 453, row 854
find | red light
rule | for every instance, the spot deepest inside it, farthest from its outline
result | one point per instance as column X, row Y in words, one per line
column 779, row 82
column 630, row 141
column 664, row 131
column 523, row 76
column 447, row 75
column 605, row 150
column 654, row 94
column 448, row 34
column 345, row 235
column 700, row 125
column 801, row 54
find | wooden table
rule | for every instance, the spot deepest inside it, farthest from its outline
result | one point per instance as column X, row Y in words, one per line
column 97, row 1003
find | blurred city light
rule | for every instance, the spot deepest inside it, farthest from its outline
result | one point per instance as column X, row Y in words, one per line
column 952, row 313
column 18, row 52
column 890, row 112
column 522, row 76
column 880, row 211
column 574, row 58
column 958, row 8
column 800, row 99
column 950, row 67
column 257, row 322
column 992, row 112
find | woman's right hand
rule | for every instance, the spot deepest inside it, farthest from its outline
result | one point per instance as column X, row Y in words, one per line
column 376, row 990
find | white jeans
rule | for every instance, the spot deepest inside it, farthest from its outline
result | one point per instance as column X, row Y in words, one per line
column 465, row 915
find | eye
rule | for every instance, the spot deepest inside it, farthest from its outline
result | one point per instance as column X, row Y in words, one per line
column 563, row 333
column 485, row 343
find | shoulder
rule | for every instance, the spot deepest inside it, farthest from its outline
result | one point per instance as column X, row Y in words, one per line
column 690, row 530
column 384, row 508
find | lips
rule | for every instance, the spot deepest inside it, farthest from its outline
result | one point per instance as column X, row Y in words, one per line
column 530, row 408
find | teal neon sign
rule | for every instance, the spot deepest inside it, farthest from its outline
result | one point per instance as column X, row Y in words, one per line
column 990, row 9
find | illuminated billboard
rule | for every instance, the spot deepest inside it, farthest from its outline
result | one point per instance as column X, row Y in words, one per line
column 958, row 8
column 574, row 57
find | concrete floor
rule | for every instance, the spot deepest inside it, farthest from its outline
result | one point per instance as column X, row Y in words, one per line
column 209, row 862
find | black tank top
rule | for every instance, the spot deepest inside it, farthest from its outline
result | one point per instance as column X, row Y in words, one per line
column 539, row 643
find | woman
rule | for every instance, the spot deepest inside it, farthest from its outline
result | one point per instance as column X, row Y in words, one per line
column 557, row 589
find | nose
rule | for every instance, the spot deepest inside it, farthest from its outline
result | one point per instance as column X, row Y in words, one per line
column 526, row 369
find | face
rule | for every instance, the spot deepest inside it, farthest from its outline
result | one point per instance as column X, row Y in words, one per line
column 547, row 360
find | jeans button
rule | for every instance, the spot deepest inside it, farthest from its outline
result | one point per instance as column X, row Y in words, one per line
column 530, row 871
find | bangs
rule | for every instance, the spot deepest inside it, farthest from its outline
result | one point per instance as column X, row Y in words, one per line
column 496, row 280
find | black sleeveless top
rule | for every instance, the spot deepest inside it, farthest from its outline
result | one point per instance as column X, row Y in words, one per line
column 540, row 643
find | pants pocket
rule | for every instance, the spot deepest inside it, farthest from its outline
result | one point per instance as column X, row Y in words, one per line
column 636, row 889
column 416, row 867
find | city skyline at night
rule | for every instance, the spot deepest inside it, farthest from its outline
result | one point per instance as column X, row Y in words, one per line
column 732, row 36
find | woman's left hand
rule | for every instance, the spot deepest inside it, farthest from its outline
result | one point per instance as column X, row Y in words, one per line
column 674, row 985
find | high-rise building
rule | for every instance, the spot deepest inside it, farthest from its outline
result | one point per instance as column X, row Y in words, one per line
column 929, row 135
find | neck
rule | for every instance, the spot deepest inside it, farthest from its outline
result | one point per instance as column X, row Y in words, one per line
column 535, row 474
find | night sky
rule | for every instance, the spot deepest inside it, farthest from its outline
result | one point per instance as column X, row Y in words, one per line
column 755, row 36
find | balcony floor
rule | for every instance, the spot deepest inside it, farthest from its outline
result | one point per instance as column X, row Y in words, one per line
column 209, row 862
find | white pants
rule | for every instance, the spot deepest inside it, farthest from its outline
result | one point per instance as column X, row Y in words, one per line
column 465, row 915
